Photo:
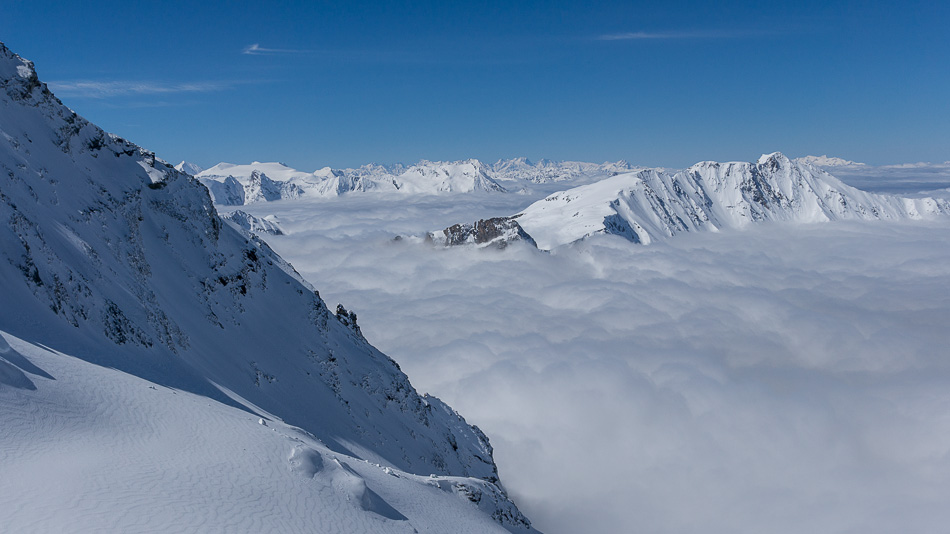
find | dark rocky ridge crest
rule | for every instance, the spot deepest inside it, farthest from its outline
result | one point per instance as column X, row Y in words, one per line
column 497, row 232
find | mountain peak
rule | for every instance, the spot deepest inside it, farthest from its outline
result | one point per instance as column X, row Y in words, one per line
column 775, row 158
column 17, row 75
column 188, row 168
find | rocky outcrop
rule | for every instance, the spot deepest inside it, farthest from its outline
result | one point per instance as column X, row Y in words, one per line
column 497, row 232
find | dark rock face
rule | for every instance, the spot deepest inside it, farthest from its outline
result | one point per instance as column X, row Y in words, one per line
column 497, row 232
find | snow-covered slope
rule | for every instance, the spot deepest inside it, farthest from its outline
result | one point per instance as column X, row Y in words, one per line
column 256, row 225
column 652, row 204
column 86, row 448
column 115, row 257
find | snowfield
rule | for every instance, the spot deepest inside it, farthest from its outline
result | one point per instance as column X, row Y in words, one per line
column 86, row 448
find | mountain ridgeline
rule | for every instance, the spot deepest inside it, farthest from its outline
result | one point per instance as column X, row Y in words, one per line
column 652, row 204
column 237, row 185
column 110, row 253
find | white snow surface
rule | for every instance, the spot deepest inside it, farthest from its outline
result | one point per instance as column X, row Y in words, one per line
column 651, row 205
column 86, row 448
column 188, row 168
column 114, row 258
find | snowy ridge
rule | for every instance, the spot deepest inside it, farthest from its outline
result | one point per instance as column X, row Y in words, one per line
column 652, row 204
column 113, row 256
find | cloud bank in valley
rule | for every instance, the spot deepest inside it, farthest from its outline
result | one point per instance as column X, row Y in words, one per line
column 780, row 379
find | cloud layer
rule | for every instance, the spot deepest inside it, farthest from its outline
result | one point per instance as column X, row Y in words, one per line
column 256, row 49
column 781, row 379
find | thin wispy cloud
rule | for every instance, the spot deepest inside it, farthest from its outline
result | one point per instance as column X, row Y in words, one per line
column 679, row 35
column 112, row 89
column 258, row 50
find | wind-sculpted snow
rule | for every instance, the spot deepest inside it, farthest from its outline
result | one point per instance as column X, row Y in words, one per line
column 92, row 449
column 651, row 205
column 112, row 254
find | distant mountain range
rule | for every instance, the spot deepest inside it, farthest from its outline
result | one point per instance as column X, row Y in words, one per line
column 236, row 185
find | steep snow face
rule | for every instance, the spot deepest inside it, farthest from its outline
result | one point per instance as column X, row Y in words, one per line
column 111, row 253
column 653, row 204
column 249, row 224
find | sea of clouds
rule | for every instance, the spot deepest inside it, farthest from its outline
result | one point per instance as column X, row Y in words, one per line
column 782, row 379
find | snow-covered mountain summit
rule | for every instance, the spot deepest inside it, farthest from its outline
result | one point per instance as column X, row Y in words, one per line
column 652, row 204
column 109, row 254
column 188, row 168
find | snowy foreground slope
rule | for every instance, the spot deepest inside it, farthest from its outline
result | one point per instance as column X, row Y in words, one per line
column 86, row 448
column 652, row 204
column 119, row 264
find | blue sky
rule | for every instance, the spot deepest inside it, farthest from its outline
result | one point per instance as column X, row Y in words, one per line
column 346, row 83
